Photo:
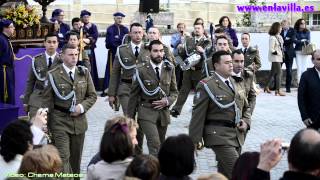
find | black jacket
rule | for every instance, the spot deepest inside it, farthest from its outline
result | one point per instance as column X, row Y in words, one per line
column 309, row 96
column 288, row 42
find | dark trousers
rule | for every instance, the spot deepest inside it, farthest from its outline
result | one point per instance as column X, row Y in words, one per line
column 275, row 72
column 288, row 62
column 179, row 75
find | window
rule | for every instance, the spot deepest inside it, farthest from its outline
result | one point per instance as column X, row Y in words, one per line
column 316, row 19
column 306, row 17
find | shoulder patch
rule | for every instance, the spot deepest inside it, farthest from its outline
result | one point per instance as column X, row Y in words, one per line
column 205, row 80
column 38, row 56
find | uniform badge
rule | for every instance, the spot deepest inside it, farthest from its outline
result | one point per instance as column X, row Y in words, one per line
column 134, row 77
column 116, row 36
column 197, row 96
column 45, row 83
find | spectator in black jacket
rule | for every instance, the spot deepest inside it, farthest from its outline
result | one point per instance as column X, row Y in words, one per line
column 308, row 94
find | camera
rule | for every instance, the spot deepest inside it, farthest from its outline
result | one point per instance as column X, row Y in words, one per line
column 285, row 146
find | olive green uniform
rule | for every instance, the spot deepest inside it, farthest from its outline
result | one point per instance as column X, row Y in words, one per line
column 192, row 76
column 122, row 72
column 217, row 125
column 68, row 131
column 33, row 94
column 153, row 122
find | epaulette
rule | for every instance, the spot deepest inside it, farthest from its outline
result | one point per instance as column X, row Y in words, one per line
column 123, row 45
column 38, row 56
column 205, row 80
column 52, row 70
column 247, row 72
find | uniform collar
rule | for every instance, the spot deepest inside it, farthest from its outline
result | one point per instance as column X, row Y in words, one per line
column 156, row 65
column 133, row 46
column 222, row 78
column 48, row 56
column 317, row 71
column 68, row 69
column 237, row 75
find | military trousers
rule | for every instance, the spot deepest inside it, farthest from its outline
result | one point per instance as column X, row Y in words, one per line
column 32, row 111
column 155, row 134
column 70, row 149
column 226, row 156
column 190, row 79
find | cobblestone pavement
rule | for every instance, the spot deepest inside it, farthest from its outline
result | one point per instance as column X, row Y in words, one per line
column 274, row 117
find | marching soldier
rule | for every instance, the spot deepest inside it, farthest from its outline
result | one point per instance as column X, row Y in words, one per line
column 220, row 114
column 193, row 47
column 221, row 44
column 40, row 65
column 70, row 93
column 153, row 91
column 74, row 39
column 154, row 34
column 251, row 54
column 244, row 78
column 127, row 57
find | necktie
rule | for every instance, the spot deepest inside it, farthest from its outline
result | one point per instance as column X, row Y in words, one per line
column 227, row 82
column 136, row 53
column 157, row 72
column 245, row 50
column 70, row 75
column 50, row 62
column 197, row 41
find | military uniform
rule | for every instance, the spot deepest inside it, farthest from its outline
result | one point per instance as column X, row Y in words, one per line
column 147, row 88
column 122, row 72
column 216, row 111
column 61, row 95
column 192, row 76
column 33, row 95
column 246, row 81
column 252, row 56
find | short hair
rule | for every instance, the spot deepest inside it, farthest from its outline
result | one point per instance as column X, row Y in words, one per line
column 200, row 24
column 198, row 19
column 303, row 155
column 157, row 42
column 222, row 18
column 72, row 34
column 135, row 24
column 245, row 165
column 214, row 176
column 221, row 37
column 132, row 124
column 219, row 30
column 216, row 57
column 15, row 139
column 45, row 159
column 144, row 167
column 181, row 23
column 68, row 46
column 51, row 35
column 237, row 51
column 246, row 33
column 116, row 143
column 274, row 29
column 176, row 156
column 297, row 25
column 76, row 19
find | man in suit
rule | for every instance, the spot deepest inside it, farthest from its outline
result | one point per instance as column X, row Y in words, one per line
column 288, row 34
column 220, row 114
column 200, row 45
column 244, row 78
column 70, row 93
column 251, row 54
column 127, row 57
column 153, row 91
column 40, row 65
column 308, row 94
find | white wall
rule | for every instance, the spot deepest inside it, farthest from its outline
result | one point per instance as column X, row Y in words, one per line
column 260, row 39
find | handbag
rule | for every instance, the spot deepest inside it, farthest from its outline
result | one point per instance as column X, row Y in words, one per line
column 308, row 49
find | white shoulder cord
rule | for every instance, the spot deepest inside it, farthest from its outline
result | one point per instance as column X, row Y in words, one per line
column 67, row 97
column 35, row 72
column 145, row 90
column 121, row 63
column 222, row 106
